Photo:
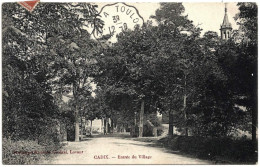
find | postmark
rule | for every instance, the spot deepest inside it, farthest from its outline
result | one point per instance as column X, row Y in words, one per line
column 119, row 17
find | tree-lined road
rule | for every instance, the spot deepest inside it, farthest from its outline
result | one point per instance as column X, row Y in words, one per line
column 119, row 151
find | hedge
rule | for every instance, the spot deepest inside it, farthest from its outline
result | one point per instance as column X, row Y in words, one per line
column 223, row 150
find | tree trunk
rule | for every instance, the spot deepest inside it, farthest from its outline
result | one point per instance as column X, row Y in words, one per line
column 170, row 133
column 254, row 122
column 90, row 127
column 254, row 127
column 75, row 88
column 112, row 126
column 81, row 132
column 141, row 125
column 184, row 107
column 76, row 124
column 185, row 114
column 102, row 124
column 105, row 126
column 186, row 131
column 135, row 119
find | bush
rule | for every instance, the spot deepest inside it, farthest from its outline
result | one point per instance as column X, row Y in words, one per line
column 134, row 131
column 159, row 131
column 71, row 133
column 19, row 152
column 218, row 149
column 147, row 131
column 25, row 152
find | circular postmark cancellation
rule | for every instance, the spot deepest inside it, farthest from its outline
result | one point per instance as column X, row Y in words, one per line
column 119, row 17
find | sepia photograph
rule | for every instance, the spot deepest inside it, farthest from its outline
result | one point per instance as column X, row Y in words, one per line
column 130, row 83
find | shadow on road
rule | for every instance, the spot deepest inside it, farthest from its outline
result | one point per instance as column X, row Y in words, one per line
column 142, row 141
column 145, row 142
column 117, row 135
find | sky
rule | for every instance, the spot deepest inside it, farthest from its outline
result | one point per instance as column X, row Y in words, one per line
column 208, row 15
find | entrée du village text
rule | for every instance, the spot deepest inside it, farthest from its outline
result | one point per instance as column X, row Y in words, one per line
column 123, row 157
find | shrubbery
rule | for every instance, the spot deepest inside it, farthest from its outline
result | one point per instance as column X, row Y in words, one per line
column 18, row 152
column 159, row 131
column 217, row 149
column 25, row 151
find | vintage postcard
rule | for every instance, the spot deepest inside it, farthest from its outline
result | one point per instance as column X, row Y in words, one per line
column 129, row 83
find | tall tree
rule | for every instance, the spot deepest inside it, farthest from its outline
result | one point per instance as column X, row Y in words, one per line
column 57, row 31
column 179, row 51
column 27, row 101
column 247, row 75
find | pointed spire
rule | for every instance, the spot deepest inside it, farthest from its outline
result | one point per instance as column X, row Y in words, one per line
column 226, row 27
column 226, row 23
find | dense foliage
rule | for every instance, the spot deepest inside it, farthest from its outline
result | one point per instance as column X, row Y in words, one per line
column 207, row 86
column 46, row 55
column 221, row 150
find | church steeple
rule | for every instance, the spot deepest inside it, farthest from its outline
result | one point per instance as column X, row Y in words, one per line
column 226, row 27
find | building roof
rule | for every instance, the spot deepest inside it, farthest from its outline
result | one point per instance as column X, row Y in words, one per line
column 226, row 23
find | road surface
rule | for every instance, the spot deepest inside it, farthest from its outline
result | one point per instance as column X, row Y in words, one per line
column 114, row 150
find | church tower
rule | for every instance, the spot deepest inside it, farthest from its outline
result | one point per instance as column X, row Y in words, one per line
column 225, row 28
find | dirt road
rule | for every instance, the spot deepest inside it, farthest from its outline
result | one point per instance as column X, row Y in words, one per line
column 113, row 150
